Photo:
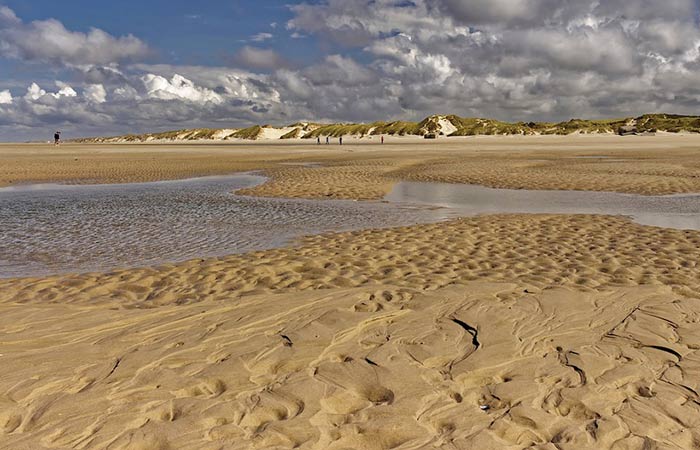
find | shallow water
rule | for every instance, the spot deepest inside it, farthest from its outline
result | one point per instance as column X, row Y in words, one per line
column 670, row 211
column 47, row 229
column 50, row 229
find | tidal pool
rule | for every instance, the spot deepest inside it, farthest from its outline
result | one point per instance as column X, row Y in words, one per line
column 669, row 211
column 49, row 229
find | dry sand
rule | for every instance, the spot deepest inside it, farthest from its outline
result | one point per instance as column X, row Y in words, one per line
column 572, row 332
column 358, row 369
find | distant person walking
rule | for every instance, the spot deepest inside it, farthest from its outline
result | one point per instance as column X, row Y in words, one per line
column 328, row 140
column 382, row 139
column 318, row 140
column 340, row 140
column 57, row 138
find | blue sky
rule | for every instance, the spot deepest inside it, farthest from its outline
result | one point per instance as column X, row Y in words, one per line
column 132, row 66
column 183, row 32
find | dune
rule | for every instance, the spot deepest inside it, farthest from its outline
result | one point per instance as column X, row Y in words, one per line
column 275, row 133
column 445, row 125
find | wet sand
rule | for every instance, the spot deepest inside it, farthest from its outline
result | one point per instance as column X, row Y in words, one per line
column 364, row 169
column 504, row 331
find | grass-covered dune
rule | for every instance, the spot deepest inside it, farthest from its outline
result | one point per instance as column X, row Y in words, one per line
column 447, row 125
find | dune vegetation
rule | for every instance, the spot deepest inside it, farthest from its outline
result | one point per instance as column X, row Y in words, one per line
column 439, row 125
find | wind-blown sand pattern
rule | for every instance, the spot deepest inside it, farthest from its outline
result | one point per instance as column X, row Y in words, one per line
column 493, row 332
column 488, row 366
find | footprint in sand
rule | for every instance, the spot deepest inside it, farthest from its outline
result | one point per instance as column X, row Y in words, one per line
column 255, row 411
column 382, row 300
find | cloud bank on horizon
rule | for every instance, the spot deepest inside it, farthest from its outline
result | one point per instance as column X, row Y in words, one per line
column 380, row 59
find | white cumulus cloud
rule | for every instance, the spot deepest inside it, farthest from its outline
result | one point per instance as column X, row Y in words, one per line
column 178, row 88
column 49, row 41
column 95, row 93
column 34, row 92
column 5, row 97
column 64, row 91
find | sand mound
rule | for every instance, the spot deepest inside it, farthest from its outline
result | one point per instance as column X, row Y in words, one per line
column 358, row 180
column 483, row 366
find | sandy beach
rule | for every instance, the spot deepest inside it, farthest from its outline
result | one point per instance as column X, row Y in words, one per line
column 492, row 332
column 365, row 169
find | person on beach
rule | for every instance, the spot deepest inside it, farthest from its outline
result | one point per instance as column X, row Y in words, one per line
column 328, row 141
column 340, row 140
column 318, row 140
column 57, row 138
column 382, row 139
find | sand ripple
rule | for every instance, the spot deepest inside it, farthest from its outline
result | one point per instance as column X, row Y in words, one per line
column 499, row 332
column 586, row 252
column 487, row 366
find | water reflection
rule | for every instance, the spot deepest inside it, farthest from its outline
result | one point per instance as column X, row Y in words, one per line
column 672, row 211
column 46, row 229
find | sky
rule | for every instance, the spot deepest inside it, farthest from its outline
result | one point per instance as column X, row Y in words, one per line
column 105, row 68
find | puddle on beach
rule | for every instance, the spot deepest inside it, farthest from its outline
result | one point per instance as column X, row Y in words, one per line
column 50, row 229
column 458, row 200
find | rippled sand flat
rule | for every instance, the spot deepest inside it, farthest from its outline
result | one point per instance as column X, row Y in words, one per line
column 582, row 252
column 364, row 169
column 493, row 332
